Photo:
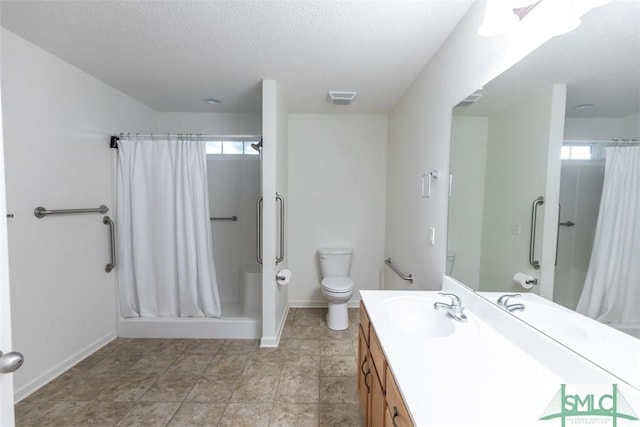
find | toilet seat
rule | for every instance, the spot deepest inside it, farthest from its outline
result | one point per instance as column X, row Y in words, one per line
column 337, row 284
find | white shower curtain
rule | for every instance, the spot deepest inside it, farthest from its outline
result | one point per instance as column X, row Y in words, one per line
column 165, row 252
column 611, row 292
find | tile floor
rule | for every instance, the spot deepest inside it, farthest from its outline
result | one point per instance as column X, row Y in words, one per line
column 309, row 380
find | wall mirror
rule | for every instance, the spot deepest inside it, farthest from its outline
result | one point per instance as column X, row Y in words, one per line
column 541, row 129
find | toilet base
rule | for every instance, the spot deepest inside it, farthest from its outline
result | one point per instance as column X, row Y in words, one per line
column 338, row 316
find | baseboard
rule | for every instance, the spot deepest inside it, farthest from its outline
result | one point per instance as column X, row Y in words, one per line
column 275, row 341
column 320, row 304
column 62, row 367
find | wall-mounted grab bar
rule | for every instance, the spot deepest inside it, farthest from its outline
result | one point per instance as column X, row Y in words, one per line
column 112, row 244
column 259, row 230
column 407, row 277
column 280, row 256
column 532, row 238
column 224, row 218
column 558, row 233
column 41, row 212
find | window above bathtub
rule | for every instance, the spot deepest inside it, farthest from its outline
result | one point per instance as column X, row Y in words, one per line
column 576, row 152
column 227, row 146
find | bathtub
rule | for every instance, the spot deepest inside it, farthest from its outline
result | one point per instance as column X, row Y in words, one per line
column 167, row 327
column 241, row 319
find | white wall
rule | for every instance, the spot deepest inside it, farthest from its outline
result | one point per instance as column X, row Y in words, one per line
column 57, row 122
column 630, row 127
column 419, row 135
column 468, row 167
column 591, row 128
column 282, row 188
column 337, row 167
column 209, row 123
column 516, row 174
column 274, row 174
column 234, row 187
column 602, row 129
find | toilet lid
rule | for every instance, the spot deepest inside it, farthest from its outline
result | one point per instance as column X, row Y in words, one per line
column 337, row 284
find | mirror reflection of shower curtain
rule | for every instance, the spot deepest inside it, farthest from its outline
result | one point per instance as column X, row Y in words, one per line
column 612, row 288
column 580, row 194
column 165, row 251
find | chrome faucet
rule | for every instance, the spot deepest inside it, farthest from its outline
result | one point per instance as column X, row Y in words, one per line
column 503, row 302
column 455, row 309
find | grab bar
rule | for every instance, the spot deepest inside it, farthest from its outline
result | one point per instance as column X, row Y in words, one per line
column 564, row 224
column 532, row 238
column 407, row 277
column 558, row 234
column 280, row 256
column 259, row 230
column 112, row 244
column 224, row 218
column 41, row 212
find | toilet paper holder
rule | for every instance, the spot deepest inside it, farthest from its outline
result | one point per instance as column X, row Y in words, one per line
column 283, row 277
column 525, row 280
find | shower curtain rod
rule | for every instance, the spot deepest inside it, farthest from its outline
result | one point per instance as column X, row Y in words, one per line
column 209, row 137
column 611, row 141
column 623, row 142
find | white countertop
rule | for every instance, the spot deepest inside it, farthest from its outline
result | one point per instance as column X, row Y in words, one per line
column 607, row 347
column 475, row 378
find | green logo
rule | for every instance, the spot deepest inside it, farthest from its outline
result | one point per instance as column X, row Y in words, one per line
column 589, row 408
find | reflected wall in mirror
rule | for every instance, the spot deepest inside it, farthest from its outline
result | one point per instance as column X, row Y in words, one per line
column 571, row 97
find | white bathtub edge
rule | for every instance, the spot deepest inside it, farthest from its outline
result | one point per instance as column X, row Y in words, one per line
column 237, row 328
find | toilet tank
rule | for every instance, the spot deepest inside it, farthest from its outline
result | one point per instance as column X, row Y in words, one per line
column 335, row 262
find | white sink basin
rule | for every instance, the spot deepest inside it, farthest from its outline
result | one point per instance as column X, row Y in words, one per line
column 554, row 321
column 416, row 315
column 551, row 321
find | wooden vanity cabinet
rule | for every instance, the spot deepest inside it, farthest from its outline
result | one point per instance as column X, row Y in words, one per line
column 364, row 389
column 380, row 399
column 397, row 413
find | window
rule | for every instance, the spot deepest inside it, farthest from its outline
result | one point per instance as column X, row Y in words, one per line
column 576, row 152
column 214, row 147
column 232, row 147
column 237, row 147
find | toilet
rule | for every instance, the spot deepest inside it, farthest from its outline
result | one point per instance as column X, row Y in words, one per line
column 336, row 285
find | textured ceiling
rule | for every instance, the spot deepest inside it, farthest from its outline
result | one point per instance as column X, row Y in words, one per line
column 599, row 62
column 170, row 55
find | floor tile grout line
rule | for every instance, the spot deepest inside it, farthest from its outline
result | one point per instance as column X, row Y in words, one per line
column 312, row 320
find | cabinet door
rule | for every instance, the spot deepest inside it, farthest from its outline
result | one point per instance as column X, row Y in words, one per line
column 378, row 403
column 364, row 376
column 397, row 413
column 378, row 365
column 378, row 361
column 364, row 322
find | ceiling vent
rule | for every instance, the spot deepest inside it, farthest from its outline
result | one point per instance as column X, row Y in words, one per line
column 341, row 98
column 471, row 99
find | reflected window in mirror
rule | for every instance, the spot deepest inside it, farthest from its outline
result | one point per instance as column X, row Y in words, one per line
column 576, row 152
